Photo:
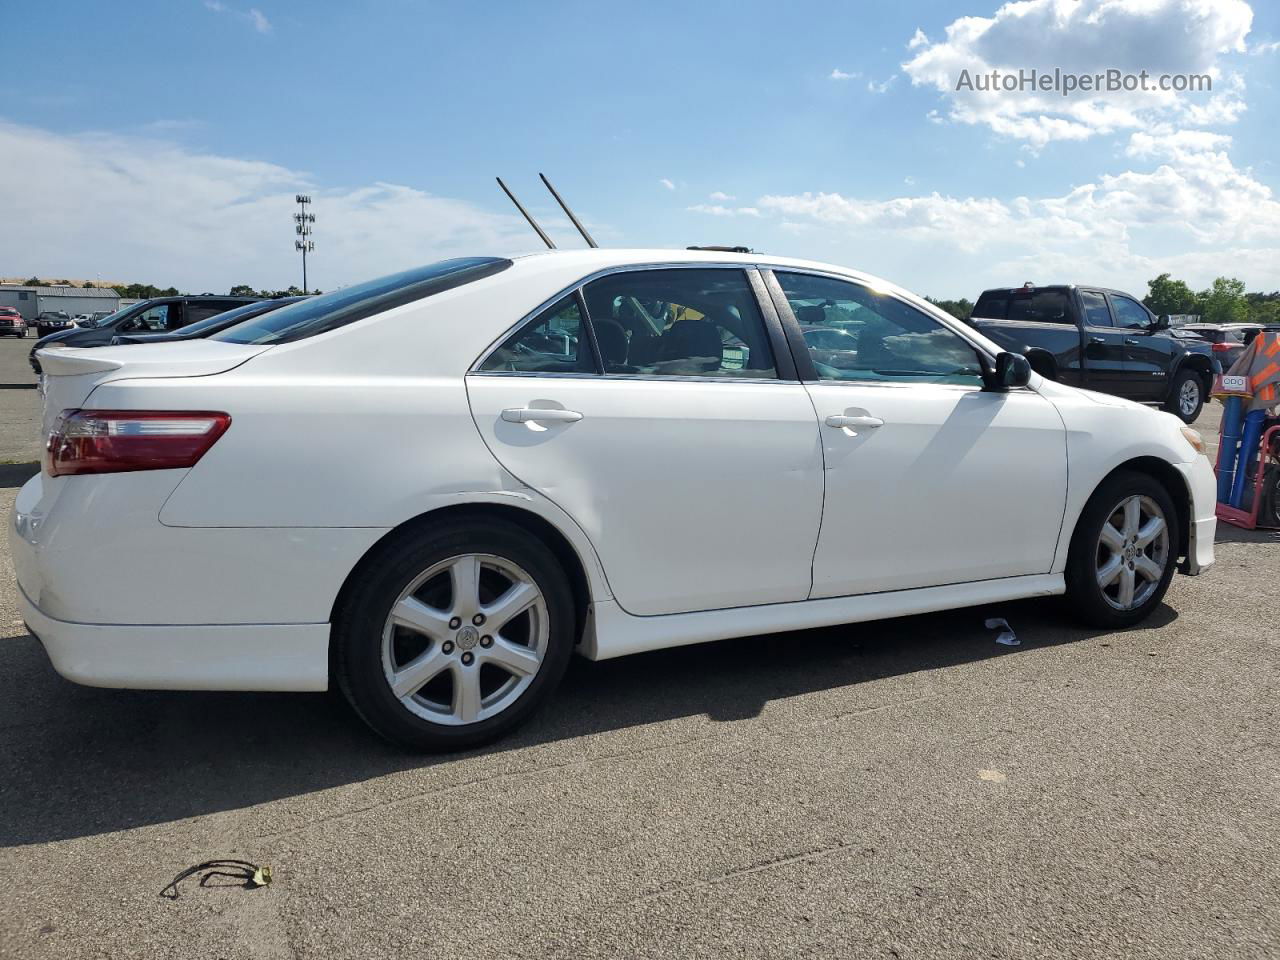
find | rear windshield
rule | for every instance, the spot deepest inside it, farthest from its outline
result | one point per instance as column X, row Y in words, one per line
column 1035, row 306
column 992, row 306
column 332, row 310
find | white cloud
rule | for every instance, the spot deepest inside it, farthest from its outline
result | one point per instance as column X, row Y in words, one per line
column 259, row 20
column 918, row 39
column 719, row 210
column 717, row 196
column 883, row 87
column 253, row 16
column 667, row 183
column 153, row 211
column 838, row 74
column 1190, row 212
column 1087, row 37
column 1259, row 49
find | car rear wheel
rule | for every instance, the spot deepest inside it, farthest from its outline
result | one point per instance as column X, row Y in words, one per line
column 1123, row 552
column 1186, row 397
column 452, row 636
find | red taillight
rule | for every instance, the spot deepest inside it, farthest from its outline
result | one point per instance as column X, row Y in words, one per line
column 117, row 441
column 1221, row 347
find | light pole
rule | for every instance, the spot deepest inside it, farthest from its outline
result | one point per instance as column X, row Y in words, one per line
column 302, row 227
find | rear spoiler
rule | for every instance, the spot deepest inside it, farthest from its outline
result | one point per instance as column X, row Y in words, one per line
column 62, row 362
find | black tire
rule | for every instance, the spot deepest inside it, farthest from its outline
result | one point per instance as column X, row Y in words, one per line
column 1085, row 598
column 1173, row 403
column 357, row 628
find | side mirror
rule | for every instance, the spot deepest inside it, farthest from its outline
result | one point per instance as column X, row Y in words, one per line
column 1162, row 322
column 1012, row 370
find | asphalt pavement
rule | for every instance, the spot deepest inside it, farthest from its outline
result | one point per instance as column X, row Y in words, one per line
column 900, row 789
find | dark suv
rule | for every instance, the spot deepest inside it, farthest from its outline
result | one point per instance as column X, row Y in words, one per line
column 1105, row 340
column 159, row 315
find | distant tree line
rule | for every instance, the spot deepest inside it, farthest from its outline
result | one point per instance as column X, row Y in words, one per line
column 145, row 291
column 1224, row 301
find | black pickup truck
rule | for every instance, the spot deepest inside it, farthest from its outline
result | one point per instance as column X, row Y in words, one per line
column 1103, row 340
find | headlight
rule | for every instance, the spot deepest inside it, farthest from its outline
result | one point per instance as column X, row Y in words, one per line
column 1194, row 438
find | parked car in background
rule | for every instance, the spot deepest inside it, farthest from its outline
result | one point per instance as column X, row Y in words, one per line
column 384, row 489
column 12, row 323
column 1105, row 340
column 51, row 322
column 1227, row 342
column 210, row 325
column 158, row 315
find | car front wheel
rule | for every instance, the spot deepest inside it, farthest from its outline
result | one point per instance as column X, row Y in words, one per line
column 1123, row 552
column 451, row 636
column 1186, row 398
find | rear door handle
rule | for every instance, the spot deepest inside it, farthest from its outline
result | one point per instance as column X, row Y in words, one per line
column 1097, row 339
column 527, row 414
column 840, row 420
column 1132, row 343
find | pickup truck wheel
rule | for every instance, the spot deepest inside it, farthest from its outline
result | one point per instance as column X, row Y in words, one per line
column 1186, row 397
column 1123, row 552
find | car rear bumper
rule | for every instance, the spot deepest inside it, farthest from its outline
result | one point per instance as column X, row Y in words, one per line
column 289, row 657
column 1204, row 522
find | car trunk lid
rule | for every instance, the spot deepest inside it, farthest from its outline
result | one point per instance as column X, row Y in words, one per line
column 71, row 375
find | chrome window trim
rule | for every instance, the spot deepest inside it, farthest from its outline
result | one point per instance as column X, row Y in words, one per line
column 578, row 286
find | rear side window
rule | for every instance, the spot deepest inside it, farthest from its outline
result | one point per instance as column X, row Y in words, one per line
column 552, row 342
column 316, row 315
column 679, row 323
column 1043, row 306
column 1096, row 313
column 991, row 306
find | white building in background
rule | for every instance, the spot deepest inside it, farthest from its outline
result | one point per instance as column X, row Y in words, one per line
column 33, row 301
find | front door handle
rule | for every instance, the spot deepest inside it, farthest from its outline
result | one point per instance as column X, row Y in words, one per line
column 528, row 414
column 840, row 420
column 1132, row 343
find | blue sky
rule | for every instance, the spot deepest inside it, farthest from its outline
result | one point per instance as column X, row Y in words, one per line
column 165, row 144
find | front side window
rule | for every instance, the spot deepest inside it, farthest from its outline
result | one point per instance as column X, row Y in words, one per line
column 552, row 342
column 1096, row 313
column 154, row 320
column 679, row 323
column 1130, row 314
column 876, row 337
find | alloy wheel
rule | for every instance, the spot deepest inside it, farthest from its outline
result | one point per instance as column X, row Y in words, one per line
column 1132, row 553
column 465, row 639
column 1189, row 397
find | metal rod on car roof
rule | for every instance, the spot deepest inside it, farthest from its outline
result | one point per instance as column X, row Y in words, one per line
column 576, row 222
column 532, row 222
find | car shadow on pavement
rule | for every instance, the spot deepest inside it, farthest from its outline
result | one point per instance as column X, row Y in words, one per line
column 77, row 761
column 16, row 474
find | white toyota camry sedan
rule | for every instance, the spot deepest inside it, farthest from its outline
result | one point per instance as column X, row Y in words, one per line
column 431, row 489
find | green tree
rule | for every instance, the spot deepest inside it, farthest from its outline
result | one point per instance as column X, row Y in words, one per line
column 1224, row 302
column 90, row 286
column 32, row 282
column 243, row 290
column 1166, row 295
column 961, row 309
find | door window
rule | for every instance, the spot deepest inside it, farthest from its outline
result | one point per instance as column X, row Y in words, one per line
column 1096, row 313
column 877, row 337
column 153, row 320
column 1130, row 314
column 203, row 310
column 552, row 342
column 679, row 323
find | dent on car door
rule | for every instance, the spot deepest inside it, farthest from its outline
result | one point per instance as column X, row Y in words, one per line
column 930, row 479
column 662, row 428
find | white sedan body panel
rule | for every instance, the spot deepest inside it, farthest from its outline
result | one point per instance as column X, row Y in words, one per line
column 957, row 485
column 694, row 516
column 697, row 495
